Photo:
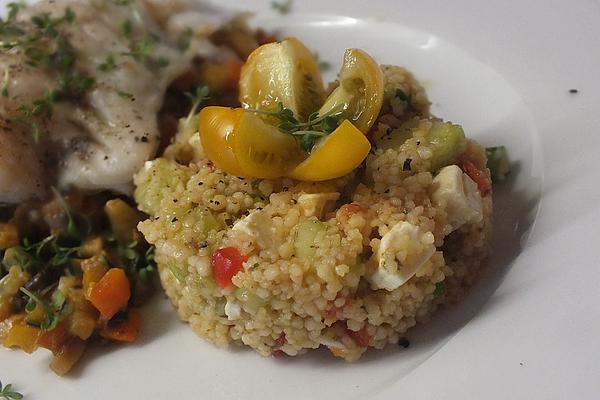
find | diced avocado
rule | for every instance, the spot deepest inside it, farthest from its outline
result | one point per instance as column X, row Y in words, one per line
column 447, row 142
column 305, row 239
column 498, row 162
column 156, row 178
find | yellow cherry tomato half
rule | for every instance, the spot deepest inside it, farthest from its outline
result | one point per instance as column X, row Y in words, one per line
column 359, row 95
column 284, row 72
column 216, row 127
column 262, row 150
column 335, row 155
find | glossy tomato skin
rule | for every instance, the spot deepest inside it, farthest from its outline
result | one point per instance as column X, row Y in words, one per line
column 216, row 126
column 225, row 263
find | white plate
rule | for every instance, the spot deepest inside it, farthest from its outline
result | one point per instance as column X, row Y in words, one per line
column 530, row 329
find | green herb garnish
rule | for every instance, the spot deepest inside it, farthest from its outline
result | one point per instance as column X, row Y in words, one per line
column 7, row 393
column 323, row 65
column 197, row 97
column 403, row 96
column 126, row 28
column 282, row 7
column 45, row 46
column 163, row 61
column 307, row 133
column 108, row 64
column 141, row 50
column 498, row 163
column 52, row 310
column 125, row 95
column 440, row 288
column 72, row 229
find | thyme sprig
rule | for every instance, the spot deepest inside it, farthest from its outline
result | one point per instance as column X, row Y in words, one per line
column 307, row 133
column 282, row 7
column 197, row 97
column 7, row 393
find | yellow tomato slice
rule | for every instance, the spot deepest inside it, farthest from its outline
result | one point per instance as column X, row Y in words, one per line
column 216, row 134
column 360, row 92
column 262, row 150
column 335, row 155
column 283, row 72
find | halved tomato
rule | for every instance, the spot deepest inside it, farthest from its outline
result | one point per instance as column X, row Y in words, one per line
column 262, row 150
column 359, row 95
column 284, row 72
column 216, row 134
column 335, row 155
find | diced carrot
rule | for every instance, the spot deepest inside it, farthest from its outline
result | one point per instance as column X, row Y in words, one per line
column 126, row 331
column 482, row 181
column 55, row 339
column 234, row 67
column 361, row 337
column 23, row 336
column 111, row 293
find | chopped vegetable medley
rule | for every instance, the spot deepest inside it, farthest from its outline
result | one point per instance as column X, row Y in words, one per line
column 74, row 271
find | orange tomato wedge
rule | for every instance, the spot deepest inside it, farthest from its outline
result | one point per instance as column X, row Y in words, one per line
column 335, row 155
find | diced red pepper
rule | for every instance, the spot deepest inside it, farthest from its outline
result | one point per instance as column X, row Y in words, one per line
column 351, row 209
column 225, row 263
column 279, row 354
column 280, row 341
column 483, row 183
column 361, row 337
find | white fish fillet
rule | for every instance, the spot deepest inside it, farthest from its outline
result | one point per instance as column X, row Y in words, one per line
column 102, row 140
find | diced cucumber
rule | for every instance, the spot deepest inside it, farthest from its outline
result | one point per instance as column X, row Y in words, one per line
column 498, row 162
column 307, row 232
column 396, row 137
column 447, row 142
column 249, row 299
column 201, row 218
column 153, row 180
column 179, row 273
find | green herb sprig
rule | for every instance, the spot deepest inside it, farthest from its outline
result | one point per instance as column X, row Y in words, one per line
column 282, row 7
column 52, row 310
column 108, row 64
column 7, row 392
column 197, row 97
column 307, row 133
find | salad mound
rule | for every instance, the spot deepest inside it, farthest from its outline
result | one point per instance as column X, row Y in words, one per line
column 307, row 218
